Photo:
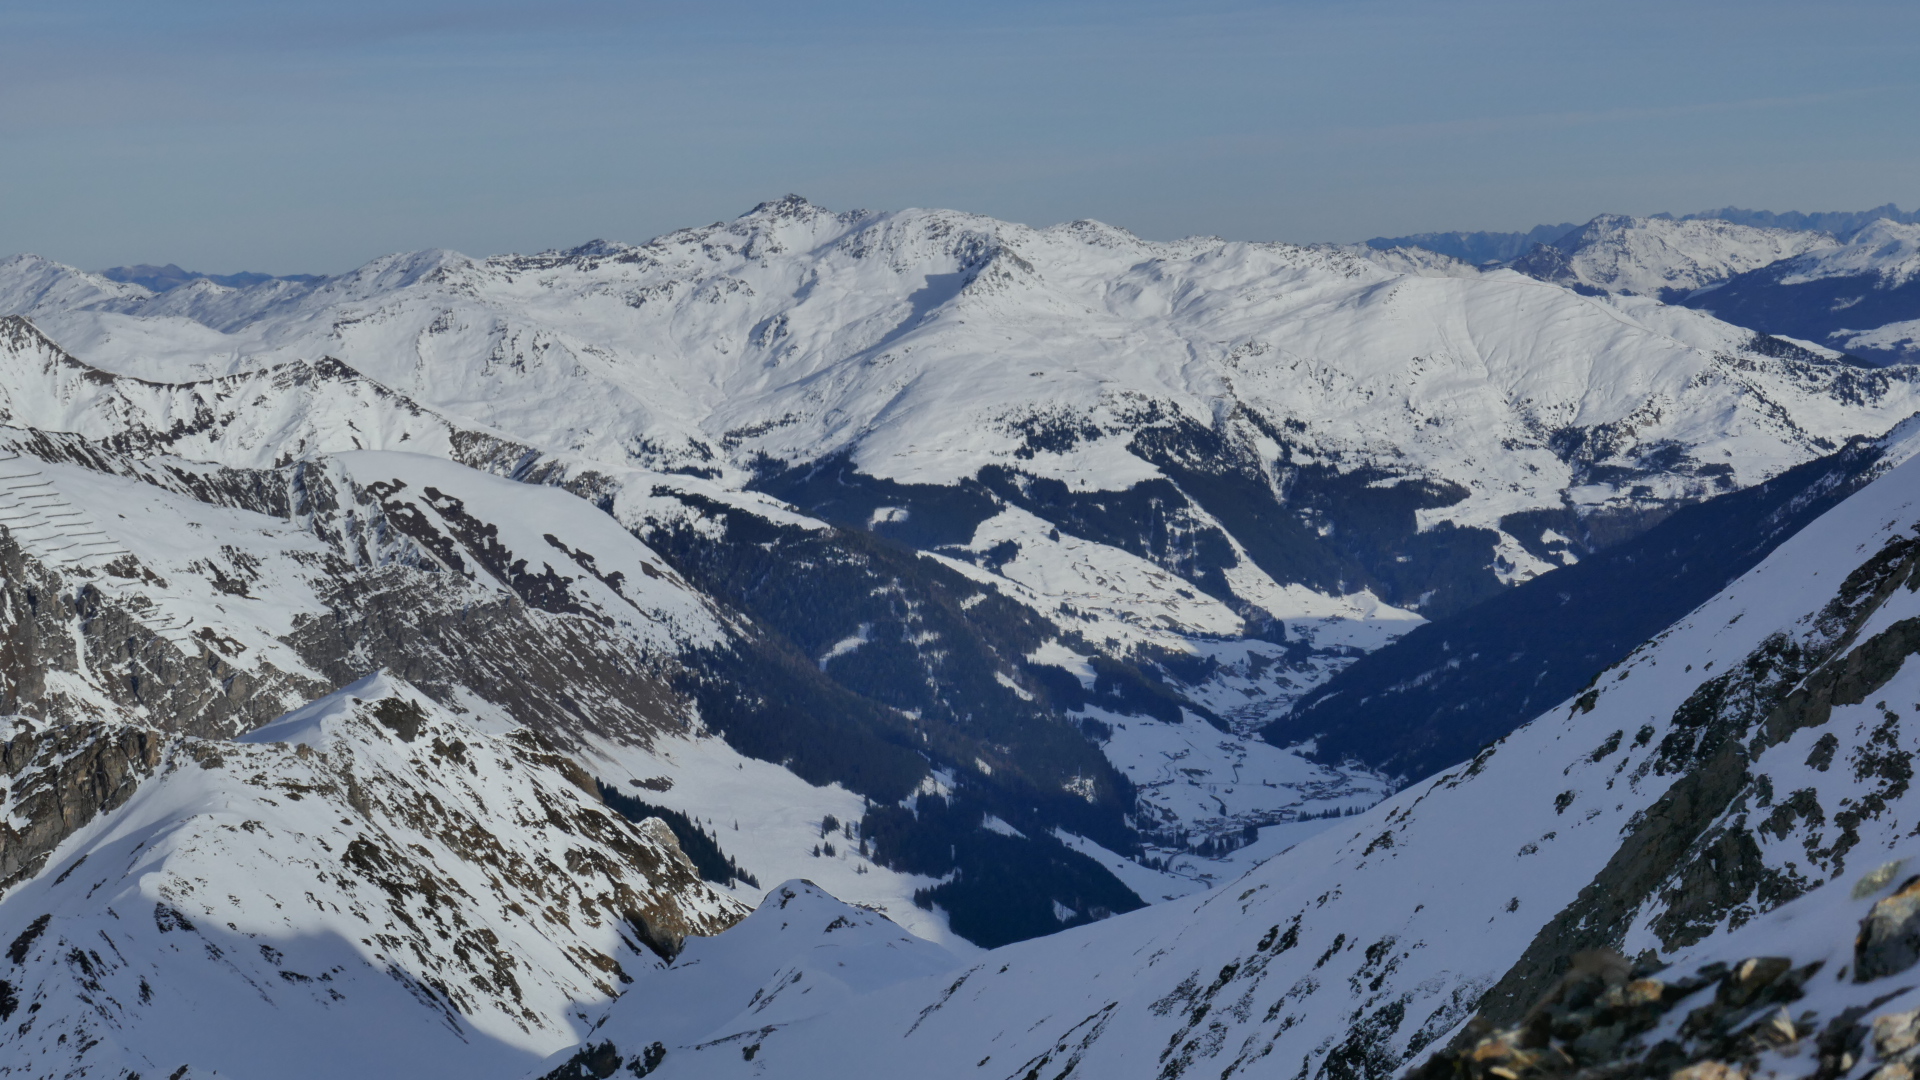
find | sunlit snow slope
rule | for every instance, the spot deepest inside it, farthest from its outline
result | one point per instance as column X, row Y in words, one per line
column 368, row 886
column 1759, row 749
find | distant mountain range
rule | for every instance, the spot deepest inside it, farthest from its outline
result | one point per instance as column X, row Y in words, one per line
column 1862, row 296
column 1481, row 247
column 163, row 278
column 1838, row 280
column 1841, row 223
column 1045, row 524
column 1478, row 248
column 1015, row 588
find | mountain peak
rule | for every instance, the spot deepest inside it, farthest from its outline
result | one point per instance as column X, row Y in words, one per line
column 787, row 207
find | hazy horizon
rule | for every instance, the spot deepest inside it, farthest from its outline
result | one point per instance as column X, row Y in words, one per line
column 223, row 136
column 227, row 271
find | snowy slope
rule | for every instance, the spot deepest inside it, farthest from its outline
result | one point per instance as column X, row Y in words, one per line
column 801, row 954
column 1861, row 296
column 930, row 345
column 1662, row 257
column 263, row 417
column 207, row 600
column 1749, row 754
column 34, row 285
column 1886, row 250
column 1032, row 509
column 914, row 338
column 368, row 866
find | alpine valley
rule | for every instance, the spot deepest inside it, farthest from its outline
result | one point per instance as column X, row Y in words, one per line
column 827, row 644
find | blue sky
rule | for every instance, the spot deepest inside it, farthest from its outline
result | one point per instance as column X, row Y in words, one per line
column 288, row 138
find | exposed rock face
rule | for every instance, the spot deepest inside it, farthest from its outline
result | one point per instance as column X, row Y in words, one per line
column 1768, row 1015
column 1889, row 941
column 1694, row 853
column 1592, row 1023
column 449, row 638
column 59, row 778
column 1818, row 1003
column 54, row 623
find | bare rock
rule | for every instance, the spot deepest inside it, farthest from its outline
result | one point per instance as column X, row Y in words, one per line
column 1889, row 940
column 1750, row 978
column 1710, row 1070
column 1896, row 1033
column 60, row 778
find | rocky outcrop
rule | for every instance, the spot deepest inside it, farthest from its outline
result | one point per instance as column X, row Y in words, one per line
column 1591, row 1023
column 562, row 675
column 1786, row 1013
column 55, row 623
column 367, row 857
column 60, row 777
column 1889, row 941
column 1693, row 851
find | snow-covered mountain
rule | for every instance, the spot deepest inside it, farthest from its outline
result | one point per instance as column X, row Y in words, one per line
column 946, row 570
column 910, row 344
column 367, row 886
column 1861, row 297
column 1477, row 248
column 1481, row 248
column 1754, row 754
column 879, row 513
column 1777, row 274
column 1662, row 257
column 206, row 599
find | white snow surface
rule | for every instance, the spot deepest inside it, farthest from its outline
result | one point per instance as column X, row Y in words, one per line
column 1890, row 336
column 801, row 954
column 928, row 342
column 769, row 822
column 1658, row 256
column 1887, row 250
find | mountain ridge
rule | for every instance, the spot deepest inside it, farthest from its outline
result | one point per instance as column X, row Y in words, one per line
column 810, row 508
